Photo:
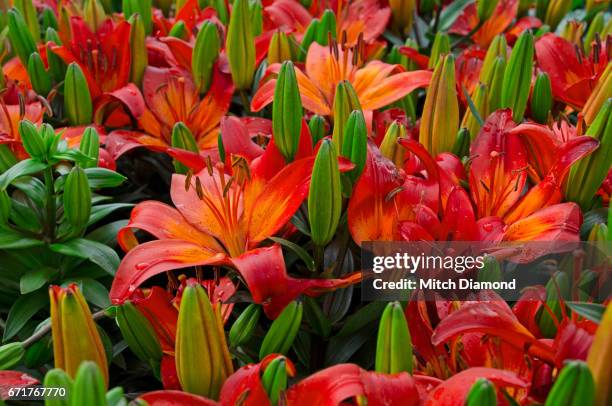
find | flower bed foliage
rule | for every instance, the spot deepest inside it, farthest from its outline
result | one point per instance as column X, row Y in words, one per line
column 185, row 186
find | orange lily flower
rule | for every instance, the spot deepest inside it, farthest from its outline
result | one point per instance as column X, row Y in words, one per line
column 10, row 116
column 221, row 219
column 501, row 18
column 377, row 84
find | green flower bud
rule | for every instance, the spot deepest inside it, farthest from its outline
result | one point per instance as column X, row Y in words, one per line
column 32, row 140
column 202, row 357
column 90, row 146
column 57, row 67
column 282, row 48
column 482, row 394
column 317, row 128
column 179, row 30
column 440, row 120
column 480, row 102
column 93, row 14
column 48, row 19
column 587, row 175
column 494, row 84
column 485, row 8
column 574, row 386
column 282, row 332
column 77, row 199
column 389, row 147
column 141, row 7
column 355, row 143
column 40, row 78
column 183, row 138
column 21, row 38
column 89, row 387
column 274, row 379
column 557, row 289
column 394, row 346
column 138, row 49
column 517, row 78
column 556, row 10
column 256, row 13
column 308, row 38
column 541, row 98
column 138, row 333
column 240, row 45
column 287, row 112
column 77, row 99
column 491, row 272
column 497, row 49
column 205, row 54
column 440, row 47
column 345, row 101
column 325, row 195
column 326, row 26
column 11, row 353
column 243, row 328
column 402, row 12
column 30, row 16
column 596, row 26
column 58, row 378
column 461, row 147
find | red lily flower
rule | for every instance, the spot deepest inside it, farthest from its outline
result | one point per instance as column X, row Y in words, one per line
column 10, row 116
column 14, row 379
column 376, row 84
column 573, row 75
column 221, row 219
column 501, row 18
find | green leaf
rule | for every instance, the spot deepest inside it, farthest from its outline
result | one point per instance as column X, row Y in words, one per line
column 103, row 178
column 370, row 313
column 107, row 234
column 99, row 212
column 590, row 311
column 100, row 254
column 451, row 13
column 12, row 240
column 33, row 188
column 299, row 251
column 35, row 279
column 22, row 311
column 23, row 168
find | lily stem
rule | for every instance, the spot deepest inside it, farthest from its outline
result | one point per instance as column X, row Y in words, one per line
column 245, row 101
column 43, row 331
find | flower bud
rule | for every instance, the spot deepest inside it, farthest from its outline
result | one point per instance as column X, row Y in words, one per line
column 389, row 146
column 57, row 67
column 482, row 393
column 138, row 49
column 183, row 138
column 440, row 47
column 574, row 386
column 48, row 19
column 77, row 99
column 497, row 49
column 326, row 26
column 21, row 39
column 587, row 175
column 282, row 48
column 599, row 95
column 355, row 143
column 308, row 38
column 556, row 10
column 243, row 328
column 325, row 195
column 75, row 335
column 345, row 101
column 317, row 128
column 57, row 378
column 256, row 15
column 90, row 146
column 77, row 199
column 440, row 120
column 11, row 353
column 402, row 12
column 393, row 346
column 557, row 289
column 282, row 332
column 517, row 77
column 89, row 386
column 599, row 358
column 240, row 45
column 205, row 54
column 485, row 9
column 480, row 104
column 142, row 8
column 32, row 140
column 179, row 30
column 494, row 84
column 30, row 16
column 541, row 98
column 202, row 357
column 39, row 77
column 274, row 379
column 138, row 333
column 93, row 14
column 595, row 27
column 287, row 112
